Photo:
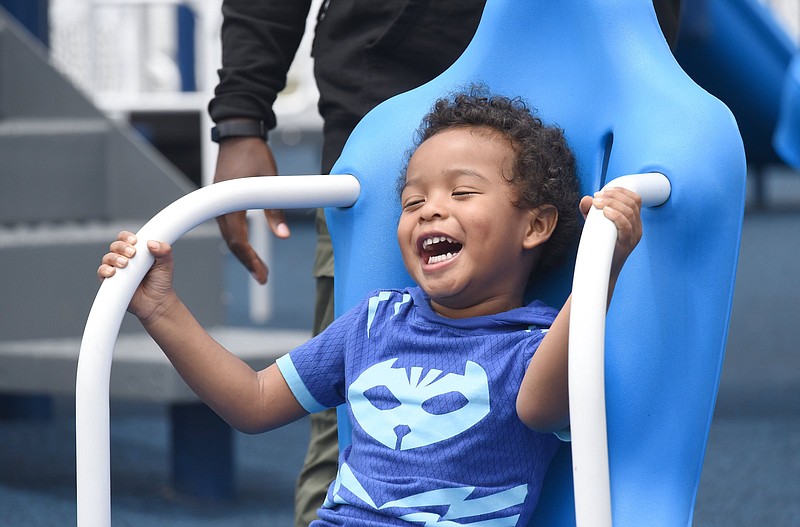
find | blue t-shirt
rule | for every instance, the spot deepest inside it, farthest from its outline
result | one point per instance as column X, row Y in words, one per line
column 432, row 402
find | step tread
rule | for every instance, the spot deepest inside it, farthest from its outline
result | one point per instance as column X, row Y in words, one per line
column 44, row 127
column 80, row 232
column 139, row 370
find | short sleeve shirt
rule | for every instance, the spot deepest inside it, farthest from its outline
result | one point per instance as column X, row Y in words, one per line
column 432, row 402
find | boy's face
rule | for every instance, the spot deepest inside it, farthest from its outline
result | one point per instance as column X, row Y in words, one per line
column 462, row 238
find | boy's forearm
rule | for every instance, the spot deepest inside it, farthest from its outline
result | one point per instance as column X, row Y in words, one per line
column 219, row 378
column 543, row 401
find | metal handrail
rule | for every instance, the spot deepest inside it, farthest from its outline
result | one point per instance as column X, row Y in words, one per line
column 102, row 326
column 587, row 405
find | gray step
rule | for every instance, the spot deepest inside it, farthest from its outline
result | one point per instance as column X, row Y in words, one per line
column 70, row 178
column 48, row 282
column 29, row 85
column 140, row 371
column 60, row 157
column 52, row 169
column 81, row 169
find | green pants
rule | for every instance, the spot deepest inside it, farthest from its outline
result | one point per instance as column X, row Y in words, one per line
column 321, row 462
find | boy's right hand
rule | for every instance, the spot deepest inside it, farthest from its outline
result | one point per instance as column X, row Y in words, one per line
column 154, row 294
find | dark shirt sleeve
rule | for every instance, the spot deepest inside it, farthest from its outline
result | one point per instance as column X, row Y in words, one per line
column 259, row 42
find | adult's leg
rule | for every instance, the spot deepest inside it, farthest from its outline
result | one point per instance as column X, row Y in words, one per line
column 321, row 461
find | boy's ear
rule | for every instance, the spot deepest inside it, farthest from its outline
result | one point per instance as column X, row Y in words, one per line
column 542, row 223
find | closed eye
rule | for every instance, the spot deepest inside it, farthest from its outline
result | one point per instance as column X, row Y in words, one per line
column 412, row 203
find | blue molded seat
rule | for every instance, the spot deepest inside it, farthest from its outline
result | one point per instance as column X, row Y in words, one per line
column 602, row 71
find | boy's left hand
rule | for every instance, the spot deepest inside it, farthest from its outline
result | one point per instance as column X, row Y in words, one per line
column 623, row 207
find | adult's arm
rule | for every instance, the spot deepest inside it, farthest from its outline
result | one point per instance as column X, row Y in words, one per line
column 259, row 41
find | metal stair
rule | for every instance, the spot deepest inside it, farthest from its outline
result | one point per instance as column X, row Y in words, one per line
column 70, row 178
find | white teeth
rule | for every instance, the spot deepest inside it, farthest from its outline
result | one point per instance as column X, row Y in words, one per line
column 428, row 243
column 440, row 258
column 436, row 239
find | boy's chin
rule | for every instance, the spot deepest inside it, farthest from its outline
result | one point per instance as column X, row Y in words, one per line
column 448, row 295
column 448, row 301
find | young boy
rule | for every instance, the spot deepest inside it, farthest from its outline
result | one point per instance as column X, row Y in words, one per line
column 453, row 413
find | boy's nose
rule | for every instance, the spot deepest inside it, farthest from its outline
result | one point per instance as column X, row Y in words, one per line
column 432, row 209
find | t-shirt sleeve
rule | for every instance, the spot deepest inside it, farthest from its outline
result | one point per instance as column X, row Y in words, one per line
column 533, row 342
column 564, row 435
column 315, row 371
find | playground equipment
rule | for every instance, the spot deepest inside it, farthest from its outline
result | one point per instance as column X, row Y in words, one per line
column 602, row 71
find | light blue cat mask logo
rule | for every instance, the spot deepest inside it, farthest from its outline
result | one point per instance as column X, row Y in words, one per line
column 402, row 410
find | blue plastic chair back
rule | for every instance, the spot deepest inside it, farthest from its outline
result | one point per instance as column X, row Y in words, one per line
column 601, row 70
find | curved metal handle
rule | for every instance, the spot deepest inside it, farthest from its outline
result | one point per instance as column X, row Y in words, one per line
column 587, row 403
column 108, row 309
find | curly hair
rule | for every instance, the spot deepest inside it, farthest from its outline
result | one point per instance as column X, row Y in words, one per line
column 544, row 172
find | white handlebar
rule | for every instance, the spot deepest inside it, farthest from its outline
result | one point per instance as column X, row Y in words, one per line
column 102, row 326
column 587, row 349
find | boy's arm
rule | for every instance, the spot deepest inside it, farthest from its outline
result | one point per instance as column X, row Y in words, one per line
column 543, row 400
column 249, row 401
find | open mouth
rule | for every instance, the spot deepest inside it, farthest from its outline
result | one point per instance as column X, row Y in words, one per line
column 437, row 249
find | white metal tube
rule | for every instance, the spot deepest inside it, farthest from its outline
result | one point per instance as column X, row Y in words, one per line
column 259, row 297
column 103, row 323
column 587, row 349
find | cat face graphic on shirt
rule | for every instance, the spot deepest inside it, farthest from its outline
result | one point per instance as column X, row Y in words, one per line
column 403, row 409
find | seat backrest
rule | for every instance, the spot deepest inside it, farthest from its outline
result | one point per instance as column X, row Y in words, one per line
column 601, row 70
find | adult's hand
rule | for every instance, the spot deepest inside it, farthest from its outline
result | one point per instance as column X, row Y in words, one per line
column 246, row 157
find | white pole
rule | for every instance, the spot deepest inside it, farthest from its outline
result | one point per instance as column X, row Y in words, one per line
column 102, row 326
column 587, row 404
column 259, row 297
